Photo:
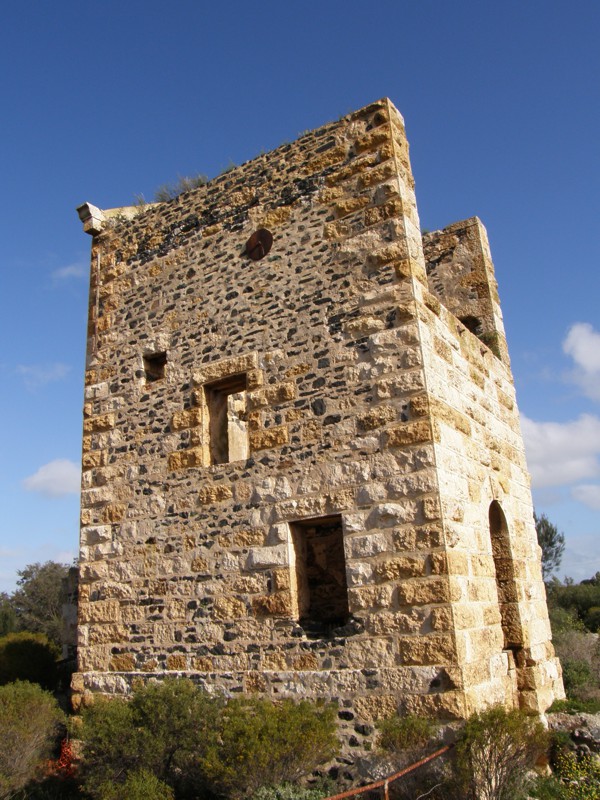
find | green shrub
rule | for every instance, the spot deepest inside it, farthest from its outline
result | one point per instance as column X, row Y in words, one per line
column 138, row 785
column 29, row 724
column 291, row 791
column 495, row 750
column 259, row 743
column 579, row 653
column 564, row 620
column 576, row 675
column 405, row 733
column 196, row 743
column 592, row 619
column 162, row 730
column 28, row 657
column 580, row 776
column 579, row 598
column 548, row 788
column 574, row 779
column 574, row 706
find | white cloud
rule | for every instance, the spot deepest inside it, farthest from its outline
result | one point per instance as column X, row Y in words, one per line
column 560, row 453
column 76, row 270
column 55, row 479
column 582, row 557
column 37, row 375
column 582, row 343
column 588, row 494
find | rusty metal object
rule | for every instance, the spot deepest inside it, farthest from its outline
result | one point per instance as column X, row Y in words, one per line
column 259, row 244
column 390, row 778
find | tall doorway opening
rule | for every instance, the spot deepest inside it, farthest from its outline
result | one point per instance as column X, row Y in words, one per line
column 319, row 586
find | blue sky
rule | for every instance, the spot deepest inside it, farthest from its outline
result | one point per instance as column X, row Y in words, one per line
column 104, row 101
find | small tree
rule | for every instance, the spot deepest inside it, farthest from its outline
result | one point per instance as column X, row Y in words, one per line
column 494, row 752
column 39, row 598
column 8, row 619
column 29, row 724
column 552, row 543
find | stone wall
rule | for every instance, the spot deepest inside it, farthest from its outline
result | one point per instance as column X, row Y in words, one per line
column 246, row 421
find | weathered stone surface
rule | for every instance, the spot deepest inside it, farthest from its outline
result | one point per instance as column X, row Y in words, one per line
column 214, row 494
column 177, row 662
column 229, row 608
column 377, row 417
column 186, row 419
column 411, row 433
column 265, row 439
column 122, row 663
column 401, row 567
column 102, row 422
column 303, row 475
column 183, row 459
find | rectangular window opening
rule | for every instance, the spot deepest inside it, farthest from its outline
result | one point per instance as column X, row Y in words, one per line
column 319, row 587
column 154, row 366
column 228, row 429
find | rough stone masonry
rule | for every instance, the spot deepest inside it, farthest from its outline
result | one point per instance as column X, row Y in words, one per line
column 303, row 472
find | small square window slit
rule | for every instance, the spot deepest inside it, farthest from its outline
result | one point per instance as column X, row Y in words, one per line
column 154, row 366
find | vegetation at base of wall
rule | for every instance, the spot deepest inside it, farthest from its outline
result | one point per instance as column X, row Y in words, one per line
column 259, row 743
column 163, row 729
column 291, row 791
column 138, row 785
column 28, row 657
column 398, row 733
column 492, row 759
column 30, row 722
column 172, row 741
column 494, row 752
column 575, row 777
column 194, row 742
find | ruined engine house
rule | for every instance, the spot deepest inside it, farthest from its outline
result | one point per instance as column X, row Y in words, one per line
column 303, row 472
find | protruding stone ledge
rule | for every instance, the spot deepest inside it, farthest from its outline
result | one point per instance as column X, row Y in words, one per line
column 93, row 218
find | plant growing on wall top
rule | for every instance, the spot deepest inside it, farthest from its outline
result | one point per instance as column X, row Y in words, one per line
column 185, row 183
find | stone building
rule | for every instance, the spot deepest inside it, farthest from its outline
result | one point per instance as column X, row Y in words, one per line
column 303, row 472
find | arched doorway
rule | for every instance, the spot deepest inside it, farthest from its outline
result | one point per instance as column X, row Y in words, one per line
column 512, row 628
